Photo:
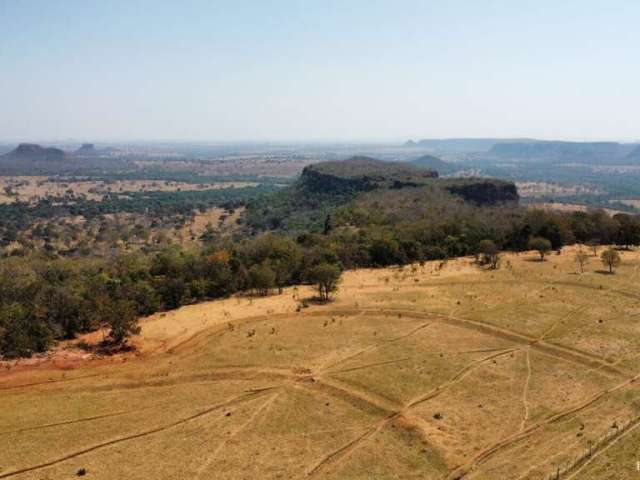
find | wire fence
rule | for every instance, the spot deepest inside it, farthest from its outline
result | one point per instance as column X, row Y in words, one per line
column 565, row 469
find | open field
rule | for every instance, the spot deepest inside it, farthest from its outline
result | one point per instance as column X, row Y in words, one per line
column 438, row 372
column 32, row 189
column 541, row 189
column 570, row 207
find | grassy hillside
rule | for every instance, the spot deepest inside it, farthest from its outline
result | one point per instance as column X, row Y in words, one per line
column 432, row 162
column 433, row 372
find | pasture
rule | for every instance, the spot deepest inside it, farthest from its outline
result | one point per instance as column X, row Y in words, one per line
column 440, row 371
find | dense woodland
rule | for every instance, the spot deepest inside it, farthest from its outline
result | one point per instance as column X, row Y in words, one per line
column 296, row 235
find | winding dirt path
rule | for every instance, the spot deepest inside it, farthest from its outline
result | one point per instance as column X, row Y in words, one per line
column 506, row 442
column 525, row 391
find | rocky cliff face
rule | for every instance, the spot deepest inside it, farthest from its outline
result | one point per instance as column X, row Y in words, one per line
column 484, row 191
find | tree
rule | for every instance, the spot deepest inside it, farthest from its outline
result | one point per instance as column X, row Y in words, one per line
column 490, row 253
column 611, row 258
column 628, row 231
column 21, row 334
column 122, row 320
column 541, row 245
column 582, row 258
column 262, row 278
column 326, row 277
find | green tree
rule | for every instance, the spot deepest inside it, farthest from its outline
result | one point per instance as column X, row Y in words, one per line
column 326, row 277
column 628, row 233
column 262, row 278
column 611, row 259
column 21, row 334
column 122, row 320
column 541, row 245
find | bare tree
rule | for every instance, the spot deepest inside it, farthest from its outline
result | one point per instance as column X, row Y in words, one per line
column 490, row 253
column 582, row 258
column 593, row 244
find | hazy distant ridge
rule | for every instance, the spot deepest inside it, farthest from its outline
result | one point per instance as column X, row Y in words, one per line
column 463, row 144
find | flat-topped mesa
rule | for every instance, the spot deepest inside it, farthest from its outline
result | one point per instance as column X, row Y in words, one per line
column 362, row 174
column 86, row 149
column 560, row 150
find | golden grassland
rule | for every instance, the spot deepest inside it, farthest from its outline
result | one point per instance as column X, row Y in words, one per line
column 437, row 372
column 34, row 188
column 570, row 207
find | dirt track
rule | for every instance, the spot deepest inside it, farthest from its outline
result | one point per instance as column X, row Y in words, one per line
column 403, row 379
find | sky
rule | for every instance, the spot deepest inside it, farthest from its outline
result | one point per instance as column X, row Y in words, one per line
column 356, row 70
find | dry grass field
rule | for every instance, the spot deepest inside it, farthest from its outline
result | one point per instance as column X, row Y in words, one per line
column 569, row 207
column 34, row 188
column 435, row 372
column 541, row 189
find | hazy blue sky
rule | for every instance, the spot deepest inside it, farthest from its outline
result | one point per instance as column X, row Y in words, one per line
column 350, row 69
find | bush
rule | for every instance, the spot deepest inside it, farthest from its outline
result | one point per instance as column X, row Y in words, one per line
column 541, row 245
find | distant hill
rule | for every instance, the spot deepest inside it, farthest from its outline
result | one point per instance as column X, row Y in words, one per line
column 463, row 145
column 362, row 174
column 31, row 159
column 557, row 151
column 86, row 149
column 634, row 155
column 434, row 163
column 34, row 159
column 34, row 152
column 326, row 186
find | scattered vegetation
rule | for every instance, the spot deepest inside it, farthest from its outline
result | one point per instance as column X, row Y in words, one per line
column 611, row 259
column 63, row 278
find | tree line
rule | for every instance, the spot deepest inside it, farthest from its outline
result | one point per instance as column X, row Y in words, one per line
column 43, row 300
column 46, row 298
